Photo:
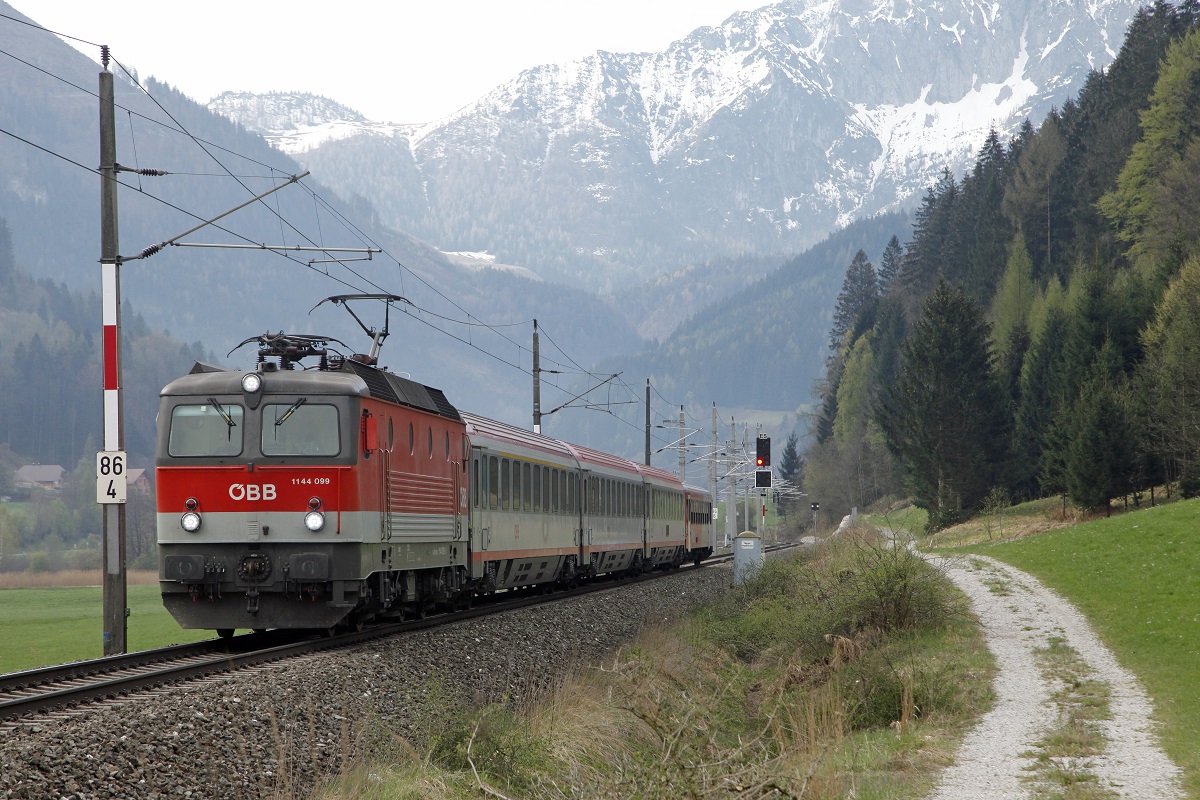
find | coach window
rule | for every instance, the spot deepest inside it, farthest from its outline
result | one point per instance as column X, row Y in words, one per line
column 554, row 496
column 537, row 487
column 493, row 481
column 546, row 488
column 571, row 492
column 475, row 479
column 505, row 484
column 516, row 493
column 211, row 429
column 300, row 429
column 526, row 486
column 562, row 491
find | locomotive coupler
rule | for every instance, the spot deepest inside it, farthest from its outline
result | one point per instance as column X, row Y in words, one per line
column 252, row 600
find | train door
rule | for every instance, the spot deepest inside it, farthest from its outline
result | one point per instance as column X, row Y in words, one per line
column 585, row 519
column 478, row 518
column 575, row 482
column 647, row 514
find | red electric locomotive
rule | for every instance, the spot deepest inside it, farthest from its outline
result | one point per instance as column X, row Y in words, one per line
column 338, row 493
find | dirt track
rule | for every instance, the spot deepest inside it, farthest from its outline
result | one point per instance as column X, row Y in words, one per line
column 1020, row 617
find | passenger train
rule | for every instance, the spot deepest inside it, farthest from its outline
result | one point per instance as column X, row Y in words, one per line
column 334, row 493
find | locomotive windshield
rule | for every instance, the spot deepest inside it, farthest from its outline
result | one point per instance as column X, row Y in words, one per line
column 211, row 429
column 300, row 429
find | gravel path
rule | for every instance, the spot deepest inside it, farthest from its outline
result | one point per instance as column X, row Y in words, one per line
column 1020, row 616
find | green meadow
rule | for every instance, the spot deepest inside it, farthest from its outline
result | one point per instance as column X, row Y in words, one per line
column 39, row 627
column 1136, row 577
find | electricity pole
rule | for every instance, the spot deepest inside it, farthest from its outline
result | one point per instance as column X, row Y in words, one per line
column 731, row 503
column 647, row 422
column 712, row 459
column 112, row 460
column 537, row 383
column 682, row 450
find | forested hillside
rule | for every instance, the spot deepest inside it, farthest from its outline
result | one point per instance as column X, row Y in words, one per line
column 50, row 367
column 1040, row 332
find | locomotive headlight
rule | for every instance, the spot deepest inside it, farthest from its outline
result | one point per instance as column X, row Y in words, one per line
column 314, row 521
column 251, row 382
column 190, row 521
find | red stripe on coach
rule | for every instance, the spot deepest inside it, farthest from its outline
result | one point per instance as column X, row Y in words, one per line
column 110, row 357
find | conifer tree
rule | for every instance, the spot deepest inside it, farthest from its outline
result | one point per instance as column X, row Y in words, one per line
column 855, row 310
column 1013, row 303
column 1098, row 457
column 934, row 244
column 945, row 417
column 889, row 264
column 790, row 462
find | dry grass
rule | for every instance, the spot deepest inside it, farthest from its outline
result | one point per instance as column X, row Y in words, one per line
column 1015, row 522
column 746, row 700
column 71, row 577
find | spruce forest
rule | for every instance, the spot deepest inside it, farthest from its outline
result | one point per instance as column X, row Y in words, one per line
column 1040, row 333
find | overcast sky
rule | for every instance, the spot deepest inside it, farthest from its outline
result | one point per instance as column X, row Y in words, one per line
column 394, row 62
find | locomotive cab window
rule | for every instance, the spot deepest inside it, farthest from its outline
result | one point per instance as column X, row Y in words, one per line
column 300, row 429
column 209, row 429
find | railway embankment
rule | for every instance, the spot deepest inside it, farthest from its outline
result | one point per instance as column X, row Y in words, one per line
column 278, row 730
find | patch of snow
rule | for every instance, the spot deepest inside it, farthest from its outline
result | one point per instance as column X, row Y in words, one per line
column 479, row 261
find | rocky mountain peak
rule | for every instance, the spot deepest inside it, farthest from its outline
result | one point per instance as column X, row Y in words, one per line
column 757, row 136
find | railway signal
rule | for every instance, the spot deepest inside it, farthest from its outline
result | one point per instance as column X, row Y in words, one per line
column 763, row 458
column 762, row 463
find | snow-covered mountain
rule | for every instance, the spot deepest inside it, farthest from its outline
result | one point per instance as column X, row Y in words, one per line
column 758, row 136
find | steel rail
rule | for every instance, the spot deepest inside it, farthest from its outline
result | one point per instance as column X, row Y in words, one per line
column 32, row 692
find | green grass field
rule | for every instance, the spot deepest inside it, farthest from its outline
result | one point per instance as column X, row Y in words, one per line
column 1137, row 579
column 40, row 627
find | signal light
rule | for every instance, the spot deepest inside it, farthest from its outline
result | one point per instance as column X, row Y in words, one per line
column 763, row 459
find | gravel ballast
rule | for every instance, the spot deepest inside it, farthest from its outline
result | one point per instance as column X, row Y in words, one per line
column 277, row 729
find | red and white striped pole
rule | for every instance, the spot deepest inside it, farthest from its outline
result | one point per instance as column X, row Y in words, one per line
column 110, row 464
column 110, row 281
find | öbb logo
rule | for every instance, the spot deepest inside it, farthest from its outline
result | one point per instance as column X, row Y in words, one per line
column 252, row 491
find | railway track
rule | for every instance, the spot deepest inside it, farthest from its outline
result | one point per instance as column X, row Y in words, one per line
column 26, row 695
